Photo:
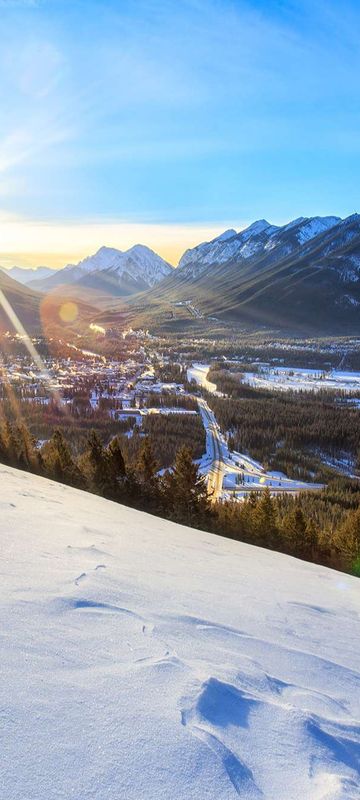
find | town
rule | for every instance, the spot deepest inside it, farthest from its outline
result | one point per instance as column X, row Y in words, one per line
column 143, row 393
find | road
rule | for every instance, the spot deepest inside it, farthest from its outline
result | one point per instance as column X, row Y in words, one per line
column 231, row 474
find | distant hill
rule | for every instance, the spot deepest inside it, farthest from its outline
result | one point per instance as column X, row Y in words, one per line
column 39, row 314
column 24, row 302
column 26, row 275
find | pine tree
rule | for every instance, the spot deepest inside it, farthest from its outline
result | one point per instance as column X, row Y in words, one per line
column 347, row 541
column 185, row 490
column 116, row 458
column 95, row 463
column 264, row 518
column 118, row 484
column 146, row 466
column 295, row 532
column 11, row 441
column 59, row 463
column 28, row 455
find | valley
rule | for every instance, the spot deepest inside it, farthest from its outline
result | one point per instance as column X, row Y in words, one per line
column 218, row 374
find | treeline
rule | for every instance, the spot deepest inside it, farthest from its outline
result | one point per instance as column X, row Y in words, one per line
column 286, row 430
column 179, row 494
column 166, row 432
column 290, row 525
column 286, row 524
column 171, row 400
column 42, row 420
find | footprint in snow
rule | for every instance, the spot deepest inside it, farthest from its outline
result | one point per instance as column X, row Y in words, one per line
column 80, row 578
column 84, row 575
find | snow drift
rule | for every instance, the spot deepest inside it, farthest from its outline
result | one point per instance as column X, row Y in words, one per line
column 141, row 659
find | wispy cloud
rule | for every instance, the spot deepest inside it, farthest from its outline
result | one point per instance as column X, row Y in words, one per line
column 197, row 109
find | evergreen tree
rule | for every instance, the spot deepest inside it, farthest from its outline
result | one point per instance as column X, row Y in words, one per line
column 146, row 474
column 28, row 456
column 295, row 532
column 147, row 466
column 116, row 458
column 96, row 465
column 59, row 463
column 266, row 529
column 185, row 491
column 11, row 442
column 347, row 541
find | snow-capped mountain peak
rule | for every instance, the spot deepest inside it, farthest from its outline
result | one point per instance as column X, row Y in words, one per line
column 142, row 264
column 227, row 246
column 311, row 227
column 226, row 235
column 258, row 226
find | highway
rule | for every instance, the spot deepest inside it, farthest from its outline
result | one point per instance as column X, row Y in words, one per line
column 231, row 474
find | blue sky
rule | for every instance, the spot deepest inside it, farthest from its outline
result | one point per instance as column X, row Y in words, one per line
column 168, row 121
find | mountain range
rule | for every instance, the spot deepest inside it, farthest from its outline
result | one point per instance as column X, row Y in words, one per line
column 110, row 270
column 303, row 276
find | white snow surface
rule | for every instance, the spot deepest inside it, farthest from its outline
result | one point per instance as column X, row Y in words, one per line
column 142, row 660
column 303, row 379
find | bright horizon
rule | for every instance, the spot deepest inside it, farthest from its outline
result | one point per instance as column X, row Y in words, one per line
column 66, row 242
column 193, row 117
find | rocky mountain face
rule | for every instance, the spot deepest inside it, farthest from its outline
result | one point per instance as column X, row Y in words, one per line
column 258, row 239
column 304, row 275
column 109, row 269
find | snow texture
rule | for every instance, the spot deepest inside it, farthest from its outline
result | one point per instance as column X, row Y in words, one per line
column 142, row 660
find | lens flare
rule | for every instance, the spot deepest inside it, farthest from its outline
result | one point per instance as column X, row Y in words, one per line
column 68, row 311
column 14, row 319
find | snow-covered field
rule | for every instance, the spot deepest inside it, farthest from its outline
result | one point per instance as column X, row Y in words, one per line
column 198, row 373
column 285, row 378
column 142, row 660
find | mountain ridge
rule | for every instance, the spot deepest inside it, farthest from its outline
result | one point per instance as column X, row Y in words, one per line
column 303, row 275
column 122, row 272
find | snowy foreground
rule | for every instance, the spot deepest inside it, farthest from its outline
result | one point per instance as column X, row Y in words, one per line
column 143, row 660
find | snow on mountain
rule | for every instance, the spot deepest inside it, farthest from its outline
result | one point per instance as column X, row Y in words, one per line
column 258, row 238
column 26, row 274
column 225, row 247
column 144, row 660
column 309, row 228
column 297, row 233
column 102, row 259
column 226, row 235
column 139, row 262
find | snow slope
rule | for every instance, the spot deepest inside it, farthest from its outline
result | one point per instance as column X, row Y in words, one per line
column 144, row 660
